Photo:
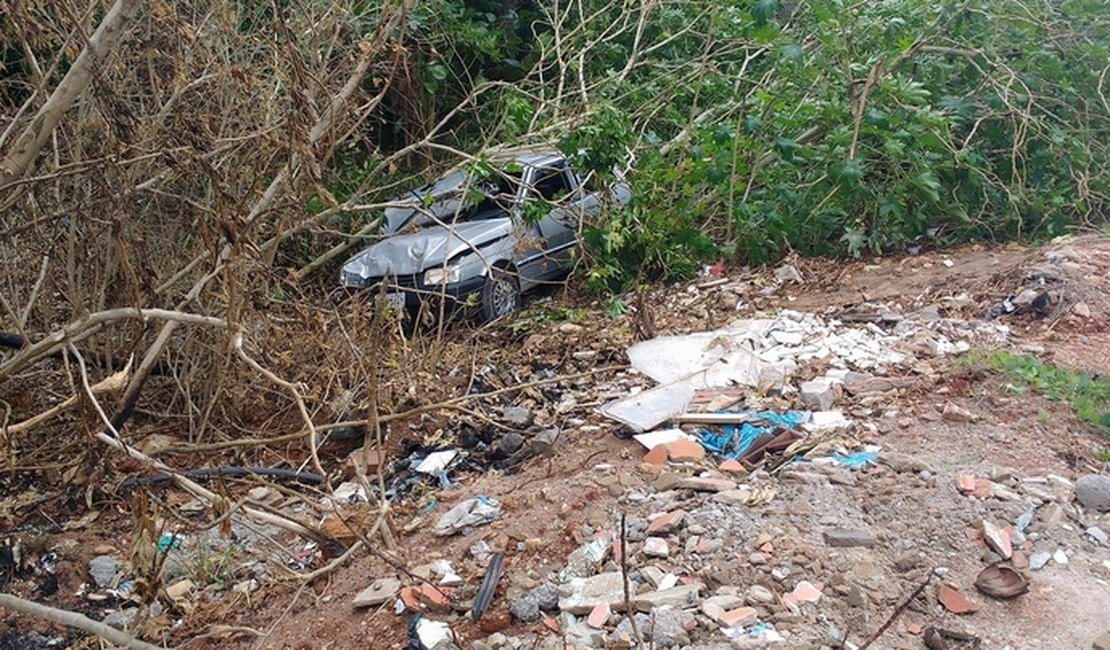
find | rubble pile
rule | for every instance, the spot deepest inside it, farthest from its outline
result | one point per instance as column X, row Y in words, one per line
column 772, row 353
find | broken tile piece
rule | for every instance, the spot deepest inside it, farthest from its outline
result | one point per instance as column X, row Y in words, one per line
column 954, row 601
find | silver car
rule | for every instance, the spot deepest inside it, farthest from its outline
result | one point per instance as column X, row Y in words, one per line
column 482, row 235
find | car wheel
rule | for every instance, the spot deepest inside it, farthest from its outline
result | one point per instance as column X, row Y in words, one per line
column 500, row 294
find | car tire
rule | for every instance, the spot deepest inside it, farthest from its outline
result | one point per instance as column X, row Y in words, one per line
column 500, row 294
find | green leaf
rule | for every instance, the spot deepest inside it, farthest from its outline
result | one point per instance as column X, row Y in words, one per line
column 764, row 10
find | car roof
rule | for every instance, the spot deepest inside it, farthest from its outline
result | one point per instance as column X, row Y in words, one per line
column 530, row 156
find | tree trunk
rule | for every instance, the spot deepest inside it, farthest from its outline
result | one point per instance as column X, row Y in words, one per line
column 76, row 80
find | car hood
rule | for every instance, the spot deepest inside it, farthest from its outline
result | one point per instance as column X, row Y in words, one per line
column 416, row 252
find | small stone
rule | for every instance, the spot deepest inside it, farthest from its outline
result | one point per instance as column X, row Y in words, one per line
column 1037, row 561
column 954, row 601
column 653, row 575
column 509, row 444
column 517, row 416
column 997, row 539
column 680, row 596
column 714, row 606
column 903, row 463
column 955, row 413
column 965, row 483
column 527, row 608
column 378, row 592
column 263, row 494
column 1060, row 557
column 1093, row 491
column 1102, row 642
column 103, row 570
column 760, row 594
column 656, row 547
column 757, row 559
column 846, row 537
column 1099, row 535
column 1019, row 560
column 121, row 619
column 705, row 484
column 780, row 573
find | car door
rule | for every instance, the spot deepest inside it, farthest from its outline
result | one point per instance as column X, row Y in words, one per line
column 556, row 188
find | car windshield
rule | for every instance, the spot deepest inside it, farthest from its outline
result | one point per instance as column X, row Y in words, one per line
column 456, row 197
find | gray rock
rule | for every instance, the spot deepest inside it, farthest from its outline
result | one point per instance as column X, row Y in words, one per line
column 121, row 619
column 581, row 635
column 103, row 569
column 664, row 628
column 680, row 596
column 760, row 595
column 1099, row 535
column 585, row 560
column 527, row 607
column 844, row 537
column 377, row 593
column 1102, row 642
column 1093, row 491
column 669, row 628
column 903, row 463
column 1037, row 561
column 517, row 416
column 583, row 594
column 509, row 443
column 544, row 441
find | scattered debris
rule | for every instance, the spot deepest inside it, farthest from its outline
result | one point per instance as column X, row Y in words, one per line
column 843, row 537
column 379, row 591
column 1001, row 581
column 954, row 601
column 468, row 514
column 488, row 587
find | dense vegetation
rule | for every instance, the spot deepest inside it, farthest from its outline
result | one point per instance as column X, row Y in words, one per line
column 826, row 127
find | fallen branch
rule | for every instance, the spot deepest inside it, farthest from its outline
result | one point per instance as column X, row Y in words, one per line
column 110, row 384
column 73, row 619
column 79, row 329
column 896, row 613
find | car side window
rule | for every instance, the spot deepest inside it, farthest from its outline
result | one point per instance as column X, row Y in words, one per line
column 552, row 184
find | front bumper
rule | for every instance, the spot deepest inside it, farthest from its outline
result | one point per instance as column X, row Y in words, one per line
column 414, row 296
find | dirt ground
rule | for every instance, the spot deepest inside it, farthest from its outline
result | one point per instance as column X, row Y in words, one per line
column 925, row 529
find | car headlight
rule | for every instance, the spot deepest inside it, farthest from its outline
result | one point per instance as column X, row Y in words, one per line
column 349, row 279
column 443, row 275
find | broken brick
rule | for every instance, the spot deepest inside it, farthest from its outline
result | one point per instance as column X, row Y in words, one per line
column 599, row 616
column 667, row 522
column 657, row 455
column 738, row 616
column 955, row 602
column 685, row 450
column 733, row 467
